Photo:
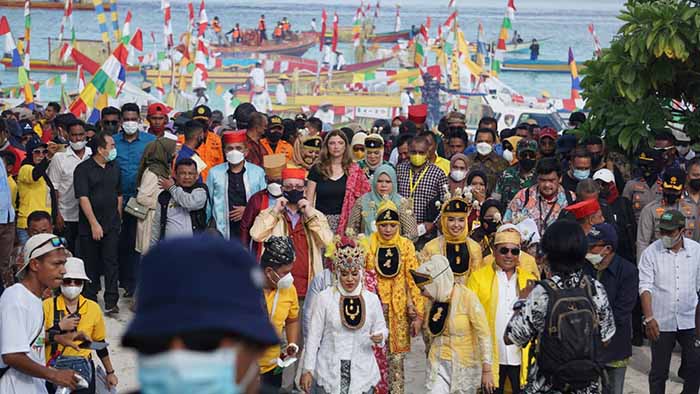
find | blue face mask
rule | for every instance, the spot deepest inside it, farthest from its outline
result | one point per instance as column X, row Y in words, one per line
column 582, row 174
column 188, row 371
column 112, row 155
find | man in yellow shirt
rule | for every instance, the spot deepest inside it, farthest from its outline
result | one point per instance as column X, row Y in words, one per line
column 69, row 312
column 282, row 307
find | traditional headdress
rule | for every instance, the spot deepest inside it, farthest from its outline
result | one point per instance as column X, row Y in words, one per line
column 387, row 213
column 278, row 251
column 435, row 276
column 347, row 255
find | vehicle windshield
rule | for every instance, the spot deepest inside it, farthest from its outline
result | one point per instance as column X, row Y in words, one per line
column 544, row 120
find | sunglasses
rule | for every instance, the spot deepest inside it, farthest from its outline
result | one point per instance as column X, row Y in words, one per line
column 504, row 251
column 358, row 149
column 55, row 242
column 72, row 282
column 40, row 151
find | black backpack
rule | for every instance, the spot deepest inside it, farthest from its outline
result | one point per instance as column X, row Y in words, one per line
column 567, row 350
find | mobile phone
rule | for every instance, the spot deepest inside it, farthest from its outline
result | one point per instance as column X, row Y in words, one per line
column 93, row 345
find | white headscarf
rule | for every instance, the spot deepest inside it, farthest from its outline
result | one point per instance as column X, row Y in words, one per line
column 438, row 268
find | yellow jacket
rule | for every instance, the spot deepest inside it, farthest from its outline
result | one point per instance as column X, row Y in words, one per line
column 436, row 246
column 483, row 282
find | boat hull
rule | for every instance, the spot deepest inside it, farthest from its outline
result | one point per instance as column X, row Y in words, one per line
column 50, row 5
column 290, row 48
column 541, row 66
column 45, row 66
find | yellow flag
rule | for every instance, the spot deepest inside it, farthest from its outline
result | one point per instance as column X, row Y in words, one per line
column 473, row 68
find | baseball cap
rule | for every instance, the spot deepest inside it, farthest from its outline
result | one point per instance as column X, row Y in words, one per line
column 158, row 109
column 526, row 145
column 603, row 232
column 34, row 143
column 222, row 293
column 26, row 127
column 674, row 178
column 548, row 132
column 671, row 220
column 40, row 245
column 604, row 175
column 565, row 144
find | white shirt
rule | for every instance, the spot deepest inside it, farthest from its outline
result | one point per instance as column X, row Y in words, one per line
column 21, row 319
column 258, row 76
column 281, row 94
column 507, row 295
column 673, row 279
column 313, row 26
column 329, row 342
column 60, row 172
column 405, row 102
column 262, row 102
column 325, row 116
column 340, row 61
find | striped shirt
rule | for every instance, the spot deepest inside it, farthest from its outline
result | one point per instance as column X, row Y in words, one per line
column 673, row 280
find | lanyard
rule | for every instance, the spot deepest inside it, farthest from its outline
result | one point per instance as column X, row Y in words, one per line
column 539, row 202
column 412, row 187
column 274, row 304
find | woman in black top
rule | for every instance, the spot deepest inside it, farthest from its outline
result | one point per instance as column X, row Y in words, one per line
column 335, row 182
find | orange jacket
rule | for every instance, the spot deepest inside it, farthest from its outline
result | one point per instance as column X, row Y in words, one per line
column 236, row 33
column 286, row 26
column 216, row 26
column 282, row 147
column 211, row 152
column 277, row 32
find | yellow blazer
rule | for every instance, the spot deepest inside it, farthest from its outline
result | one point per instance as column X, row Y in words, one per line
column 527, row 262
column 484, row 283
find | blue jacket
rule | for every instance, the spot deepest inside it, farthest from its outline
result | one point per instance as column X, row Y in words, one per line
column 7, row 211
column 621, row 282
column 129, row 158
column 217, row 182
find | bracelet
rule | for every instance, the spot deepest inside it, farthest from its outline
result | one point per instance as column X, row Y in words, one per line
column 647, row 320
column 110, row 372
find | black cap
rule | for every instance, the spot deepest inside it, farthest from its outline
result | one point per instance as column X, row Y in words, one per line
column 674, row 178
column 201, row 112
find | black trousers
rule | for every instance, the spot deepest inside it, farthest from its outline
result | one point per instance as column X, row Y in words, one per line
column 512, row 373
column 661, row 351
column 128, row 257
column 70, row 233
column 269, row 380
column 101, row 257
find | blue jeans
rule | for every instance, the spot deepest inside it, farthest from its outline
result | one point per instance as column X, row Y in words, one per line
column 22, row 236
column 616, row 380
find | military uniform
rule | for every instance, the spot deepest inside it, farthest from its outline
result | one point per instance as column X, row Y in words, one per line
column 492, row 164
column 641, row 195
column 511, row 182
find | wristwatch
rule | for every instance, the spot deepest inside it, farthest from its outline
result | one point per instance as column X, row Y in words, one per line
column 647, row 320
column 696, row 344
column 518, row 305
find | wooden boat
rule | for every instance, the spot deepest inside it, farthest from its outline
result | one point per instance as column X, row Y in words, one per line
column 51, row 5
column 46, row 66
column 306, row 73
column 542, row 66
column 345, row 35
column 296, row 47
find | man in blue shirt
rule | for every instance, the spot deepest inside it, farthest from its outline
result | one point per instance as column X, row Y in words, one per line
column 130, row 143
column 7, row 226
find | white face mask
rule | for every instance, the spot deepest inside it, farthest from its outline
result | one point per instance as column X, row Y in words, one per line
column 285, row 282
column 484, row 148
column 458, row 175
column 683, row 150
column 78, row 146
column 594, row 259
column 508, row 155
column 669, row 242
column 130, row 127
column 235, row 156
column 275, row 189
column 394, row 131
column 71, row 292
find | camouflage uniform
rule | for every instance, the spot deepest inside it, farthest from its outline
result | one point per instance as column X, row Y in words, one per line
column 513, row 180
column 493, row 165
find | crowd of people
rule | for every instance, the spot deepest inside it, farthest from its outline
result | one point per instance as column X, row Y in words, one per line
column 285, row 254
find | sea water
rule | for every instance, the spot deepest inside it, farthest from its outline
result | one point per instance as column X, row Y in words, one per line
column 564, row 23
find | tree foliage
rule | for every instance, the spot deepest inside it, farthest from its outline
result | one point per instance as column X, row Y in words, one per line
column 649, row 76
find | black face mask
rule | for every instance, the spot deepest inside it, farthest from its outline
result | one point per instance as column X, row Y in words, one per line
column 596, row 160
column 527, row 164
column 490, row 226
column 671, row 198
column 293, row 196
column 694, row 184
column 273, row 137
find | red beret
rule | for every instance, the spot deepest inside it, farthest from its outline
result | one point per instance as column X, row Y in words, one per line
column 232, row 137
column 584, row 208
column 294, row 173
column 158, row 109
column 418, row 113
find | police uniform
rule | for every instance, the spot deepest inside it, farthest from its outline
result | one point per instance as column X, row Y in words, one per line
column 638, row 190
column 693, row 216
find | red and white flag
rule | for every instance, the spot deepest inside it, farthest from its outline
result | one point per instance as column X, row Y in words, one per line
column 167, row 26
column 334, row 41
column 324, row 19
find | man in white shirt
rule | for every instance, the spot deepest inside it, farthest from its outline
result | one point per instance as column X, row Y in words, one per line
column 325, row 114
column 339, row 61
column 60, row 173
column 406, row 100
column 257, row 76
column 669, row 282
column 261, row 100
column 22, row 334
column 280, row 90
column 313, row 25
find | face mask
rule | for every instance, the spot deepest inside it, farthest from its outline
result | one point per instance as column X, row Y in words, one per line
column 358, row 155
column 581, row 174
column 527, row 164
column 671, row 198
column 508, row 156
column 418, row 159
column 484, row 148
column 394, row 131
column 594, row 259
column 235, row 157
column 274, row 189
column 78, row 146
column 669, row 242
column 71, row 292
column 286, row 281
column 694, row 184
column 596, row 159
column 490, row 226
column 294, row 196
column 274, row 137
column 458, row 175
column 112, row 155
column 109, row 129
column 130, row 127
column 683, row 150
column 188, row 371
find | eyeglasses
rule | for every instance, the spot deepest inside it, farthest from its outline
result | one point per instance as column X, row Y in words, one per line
column 55, row 242
column 40, row 151
column 72, row 282
column 504, row 251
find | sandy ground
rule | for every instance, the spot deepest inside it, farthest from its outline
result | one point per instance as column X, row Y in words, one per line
column 124, row 361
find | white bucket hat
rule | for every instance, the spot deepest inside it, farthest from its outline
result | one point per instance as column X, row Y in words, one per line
column 75, row 269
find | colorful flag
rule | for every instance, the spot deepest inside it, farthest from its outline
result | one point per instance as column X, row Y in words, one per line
column 200, row 75
column 126, row 29
column 108, row 80
column 80, row 80
column 596, row 41
column 322, row 37
column 575, row 82
column 67, row 18
column 334, row 41
column 27, row 32
column 356, row 31
column 167, row 27
column 420, row 41
column 190, row 16
column 452, row 4
column 101, row 20
column 159, row 85
column 137, row 40
column 480, row 46
column 203, row 20
column 376, row 10
column 10, row 47
column 26, row 86
column 503, row 37
column 115, row 20
column 397, row 22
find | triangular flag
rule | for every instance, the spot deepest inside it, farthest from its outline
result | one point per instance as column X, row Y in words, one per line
column 137, row 40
